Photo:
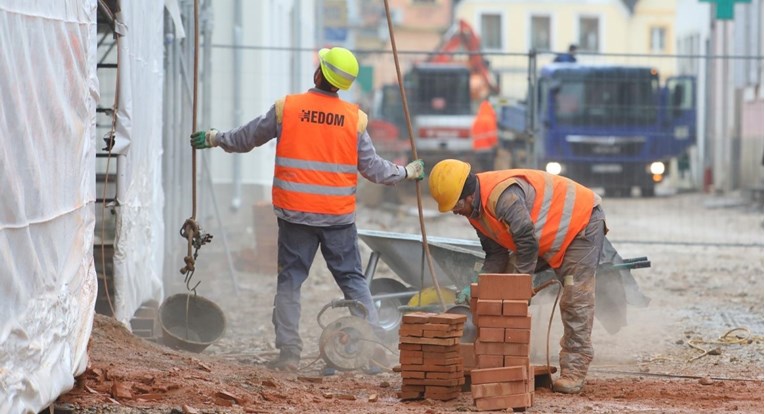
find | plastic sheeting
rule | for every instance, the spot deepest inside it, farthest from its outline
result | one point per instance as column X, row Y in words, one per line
column 48, row 94
column 139, row 242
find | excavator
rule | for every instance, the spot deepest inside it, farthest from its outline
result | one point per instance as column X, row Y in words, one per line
column 444, row 92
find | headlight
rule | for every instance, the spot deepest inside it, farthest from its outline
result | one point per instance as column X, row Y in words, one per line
column 553, row 168
column 657, row 168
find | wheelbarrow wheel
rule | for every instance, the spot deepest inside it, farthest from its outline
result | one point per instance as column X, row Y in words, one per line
column 387, row 309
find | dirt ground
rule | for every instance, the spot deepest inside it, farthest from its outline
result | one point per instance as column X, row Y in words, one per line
column 705, row 280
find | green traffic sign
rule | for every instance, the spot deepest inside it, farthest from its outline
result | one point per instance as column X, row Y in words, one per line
column 725, row 7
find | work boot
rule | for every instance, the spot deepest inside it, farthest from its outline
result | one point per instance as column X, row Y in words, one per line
column 568, row 385
column 288, row 361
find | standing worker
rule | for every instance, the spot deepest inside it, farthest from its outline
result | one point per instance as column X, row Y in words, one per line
column 567, row 57
column 321, row 144
column 547, row 221
column 485, row 140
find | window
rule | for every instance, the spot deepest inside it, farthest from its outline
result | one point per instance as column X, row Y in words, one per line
column 589, row 34
column 540, row 32
column 491, row 31
column 658, row 39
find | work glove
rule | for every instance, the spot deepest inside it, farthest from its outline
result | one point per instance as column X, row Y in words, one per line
column 204, row 139
column 415, row 170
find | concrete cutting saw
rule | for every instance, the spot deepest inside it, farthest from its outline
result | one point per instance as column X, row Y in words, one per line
column 346, row 343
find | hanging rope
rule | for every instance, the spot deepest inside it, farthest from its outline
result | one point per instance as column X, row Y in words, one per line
column 190, row 229
column 426, row 249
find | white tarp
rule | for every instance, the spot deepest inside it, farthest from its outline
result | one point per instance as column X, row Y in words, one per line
column 48, row 94
column 139, row 244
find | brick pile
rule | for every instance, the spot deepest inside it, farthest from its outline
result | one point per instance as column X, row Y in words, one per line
column 503, row 376
column 431, row 359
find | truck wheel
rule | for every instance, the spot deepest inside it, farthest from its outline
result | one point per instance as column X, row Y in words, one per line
column 649, row 191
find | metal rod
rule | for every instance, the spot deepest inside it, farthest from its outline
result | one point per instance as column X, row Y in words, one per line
column 414, row 154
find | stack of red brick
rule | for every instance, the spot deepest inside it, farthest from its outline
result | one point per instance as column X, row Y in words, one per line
column 503, row 376
column 431, row 362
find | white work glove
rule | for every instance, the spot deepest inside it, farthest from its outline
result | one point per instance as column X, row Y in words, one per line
column 415, row 170
column 204, row 139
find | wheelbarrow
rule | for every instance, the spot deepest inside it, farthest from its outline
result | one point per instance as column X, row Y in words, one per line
column 457, row 261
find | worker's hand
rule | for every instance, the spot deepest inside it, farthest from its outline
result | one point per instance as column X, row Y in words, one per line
column 415, row 170
column 463, row 297
column 204, row 139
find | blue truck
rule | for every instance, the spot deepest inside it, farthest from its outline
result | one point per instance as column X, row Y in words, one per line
column 608, row 126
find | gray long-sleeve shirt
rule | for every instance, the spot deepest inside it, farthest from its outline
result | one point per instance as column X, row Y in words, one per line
column 514, row 209
column 267, row 127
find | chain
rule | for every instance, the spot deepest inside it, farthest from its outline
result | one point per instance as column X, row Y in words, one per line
column 196, row 239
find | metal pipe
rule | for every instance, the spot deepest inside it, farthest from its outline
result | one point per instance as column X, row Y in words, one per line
column 236, row 165
column 369, row 273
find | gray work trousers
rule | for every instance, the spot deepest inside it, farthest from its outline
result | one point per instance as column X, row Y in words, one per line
column 298, row 244
column 577, row 304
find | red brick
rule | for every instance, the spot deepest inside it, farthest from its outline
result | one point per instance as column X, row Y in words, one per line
column 501, row 348
column 456, row 333
column 441, row 348
column 514, row 361
column 412, row 374
column 410, row 395
column 444, row 375
column 468, row 355
column 438, row 382
column 442, row 361
column 488, row 307
column 442, row 393
column 409, row 360
column 491, row 334
column 430, row 368
column 417, row 317
column 440, row 356
column 410, row 330
column 449, row 318
column 474, row 290
column 508, row 401
column 420, row 388
column 409, row 347
column 504, row 286
column 498, row 389
column 518, row 336
column 515, row 322
column 489, row 361
column 505, row 374
column 428, row 341
column 515, row 307
column 408, row 353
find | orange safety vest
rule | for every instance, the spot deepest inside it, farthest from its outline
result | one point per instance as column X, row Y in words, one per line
column 317, row 155
column 561, row 209
column 484, row 129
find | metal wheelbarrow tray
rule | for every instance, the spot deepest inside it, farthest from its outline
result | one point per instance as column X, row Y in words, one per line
column 456, row 261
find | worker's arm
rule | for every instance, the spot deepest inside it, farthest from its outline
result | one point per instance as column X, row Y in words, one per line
column 497, row 255
column 511, row 209
column 372, row 166
column 250, row 135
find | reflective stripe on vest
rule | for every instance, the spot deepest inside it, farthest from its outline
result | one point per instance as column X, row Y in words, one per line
column 561, row 209
column 317, row 155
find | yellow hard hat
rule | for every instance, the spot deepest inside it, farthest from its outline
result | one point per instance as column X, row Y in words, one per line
column 446, row 181
column 339, row 66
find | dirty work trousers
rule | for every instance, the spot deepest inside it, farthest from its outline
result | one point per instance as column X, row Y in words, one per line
column 298, row 244
column 577, row 304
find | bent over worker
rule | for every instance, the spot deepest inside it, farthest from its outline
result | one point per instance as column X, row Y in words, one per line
column 321, row 145
column 547, row 221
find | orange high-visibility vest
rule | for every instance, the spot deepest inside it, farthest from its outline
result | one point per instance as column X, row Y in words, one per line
column 561, row 209
column 316, row 156
column 484, row 128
